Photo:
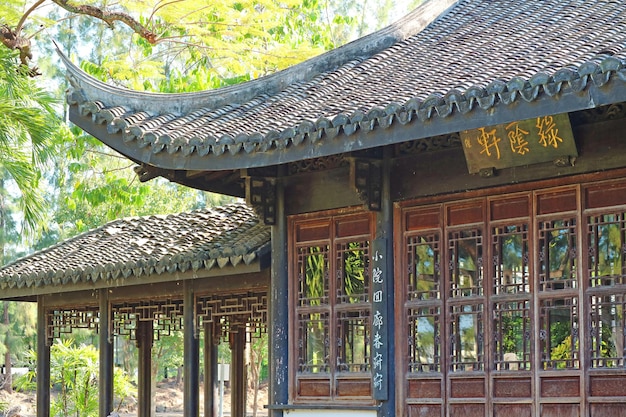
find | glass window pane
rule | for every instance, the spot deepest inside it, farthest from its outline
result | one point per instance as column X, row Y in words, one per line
column 607, row 250
column 313, row 349
column 313, row 275
column 557, row 255
column 466, row 338
column 353, row 342
column 558, row 333
column 510, row 259
column 424, row 340
column 607, row 331
column 353, row 277
column 466, row 263
column 512, row 336
column 424, row 268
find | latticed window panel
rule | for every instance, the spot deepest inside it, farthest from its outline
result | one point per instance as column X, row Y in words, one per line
column 424, row 353
column 424, row 267
column 557, row 255
column 606, row 236
column 607, row 328
column 467, row 337
column 510, row 259
column 331, row 266
column 353, row 341
column 233, row 312
column 559, row 333
column 65, row 321
column 512, row 335
column 166, row 316
column 465, row 256
column 352, row 274
column 313, row 275
column 313, row 343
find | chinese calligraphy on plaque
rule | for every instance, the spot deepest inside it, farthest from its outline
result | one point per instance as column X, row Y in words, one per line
column 518, row 143
column 379, row 325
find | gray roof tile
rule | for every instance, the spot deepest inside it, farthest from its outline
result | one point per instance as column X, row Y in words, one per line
column 143, row 246
column 475, row 55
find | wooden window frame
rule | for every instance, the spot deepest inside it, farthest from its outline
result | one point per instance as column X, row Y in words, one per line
column 338, row 379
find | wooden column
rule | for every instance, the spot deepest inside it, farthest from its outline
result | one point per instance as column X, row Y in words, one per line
column 105, row 379
column 278, row 314
column 191, row 355
column 211, row 382
column 145, row 336
column 43, row 361
column 238, row 372
column 384, row 230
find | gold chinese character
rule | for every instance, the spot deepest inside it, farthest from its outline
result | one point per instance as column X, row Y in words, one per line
column 548, row 132
column 489, row 141
column 517, row 138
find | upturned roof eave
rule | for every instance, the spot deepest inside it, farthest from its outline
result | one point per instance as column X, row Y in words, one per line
column 397, row 124
column 181, row 103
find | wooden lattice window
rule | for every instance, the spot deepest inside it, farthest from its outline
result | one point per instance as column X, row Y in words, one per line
column 606, row 236
column 466, row 310
column 332, row 302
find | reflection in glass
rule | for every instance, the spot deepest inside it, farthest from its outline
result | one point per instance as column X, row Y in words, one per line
column 466, row 336
column 558, row 333
column 312, row 275
column 352, row 280
column 557, row 255
column 606, row 249
column 510, row 246
column 465, row 251
column 313, row 343
column 607, row 331
column 512, row 336
column 425, row 269
column 354, row 349
column 424, row 340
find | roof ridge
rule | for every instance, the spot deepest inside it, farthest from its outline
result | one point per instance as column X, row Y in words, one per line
column 160, row 103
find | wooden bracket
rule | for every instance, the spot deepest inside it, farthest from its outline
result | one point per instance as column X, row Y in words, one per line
column 366, row 176
column 261, row 196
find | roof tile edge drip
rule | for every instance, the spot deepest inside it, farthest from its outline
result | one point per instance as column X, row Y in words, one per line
column 142, row 268
column 411, row 111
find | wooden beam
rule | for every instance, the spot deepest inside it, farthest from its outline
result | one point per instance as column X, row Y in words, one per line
column 223, row 275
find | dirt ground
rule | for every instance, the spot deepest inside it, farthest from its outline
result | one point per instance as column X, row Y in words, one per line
column 169, row 402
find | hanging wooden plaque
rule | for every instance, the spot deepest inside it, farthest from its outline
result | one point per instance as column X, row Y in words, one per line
column 519, row 143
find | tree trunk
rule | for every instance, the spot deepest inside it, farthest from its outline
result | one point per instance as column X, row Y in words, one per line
column 8, row 380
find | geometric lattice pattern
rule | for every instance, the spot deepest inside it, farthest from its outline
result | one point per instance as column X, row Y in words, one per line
column 166, row 315
column 60, row 322
column 232, row 312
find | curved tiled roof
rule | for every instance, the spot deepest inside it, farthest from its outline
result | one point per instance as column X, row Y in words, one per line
column 144, row 246
column 478, row 54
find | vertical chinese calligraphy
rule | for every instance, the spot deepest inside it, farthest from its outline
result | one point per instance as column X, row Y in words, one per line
column 379, row 329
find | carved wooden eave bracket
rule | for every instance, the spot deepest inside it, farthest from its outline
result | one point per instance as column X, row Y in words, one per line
column 261, row 196
column 366, row 177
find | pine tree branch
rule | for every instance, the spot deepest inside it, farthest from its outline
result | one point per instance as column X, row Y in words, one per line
column 109, row 18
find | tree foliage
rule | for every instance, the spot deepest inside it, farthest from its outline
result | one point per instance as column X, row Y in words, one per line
column 74, row 375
